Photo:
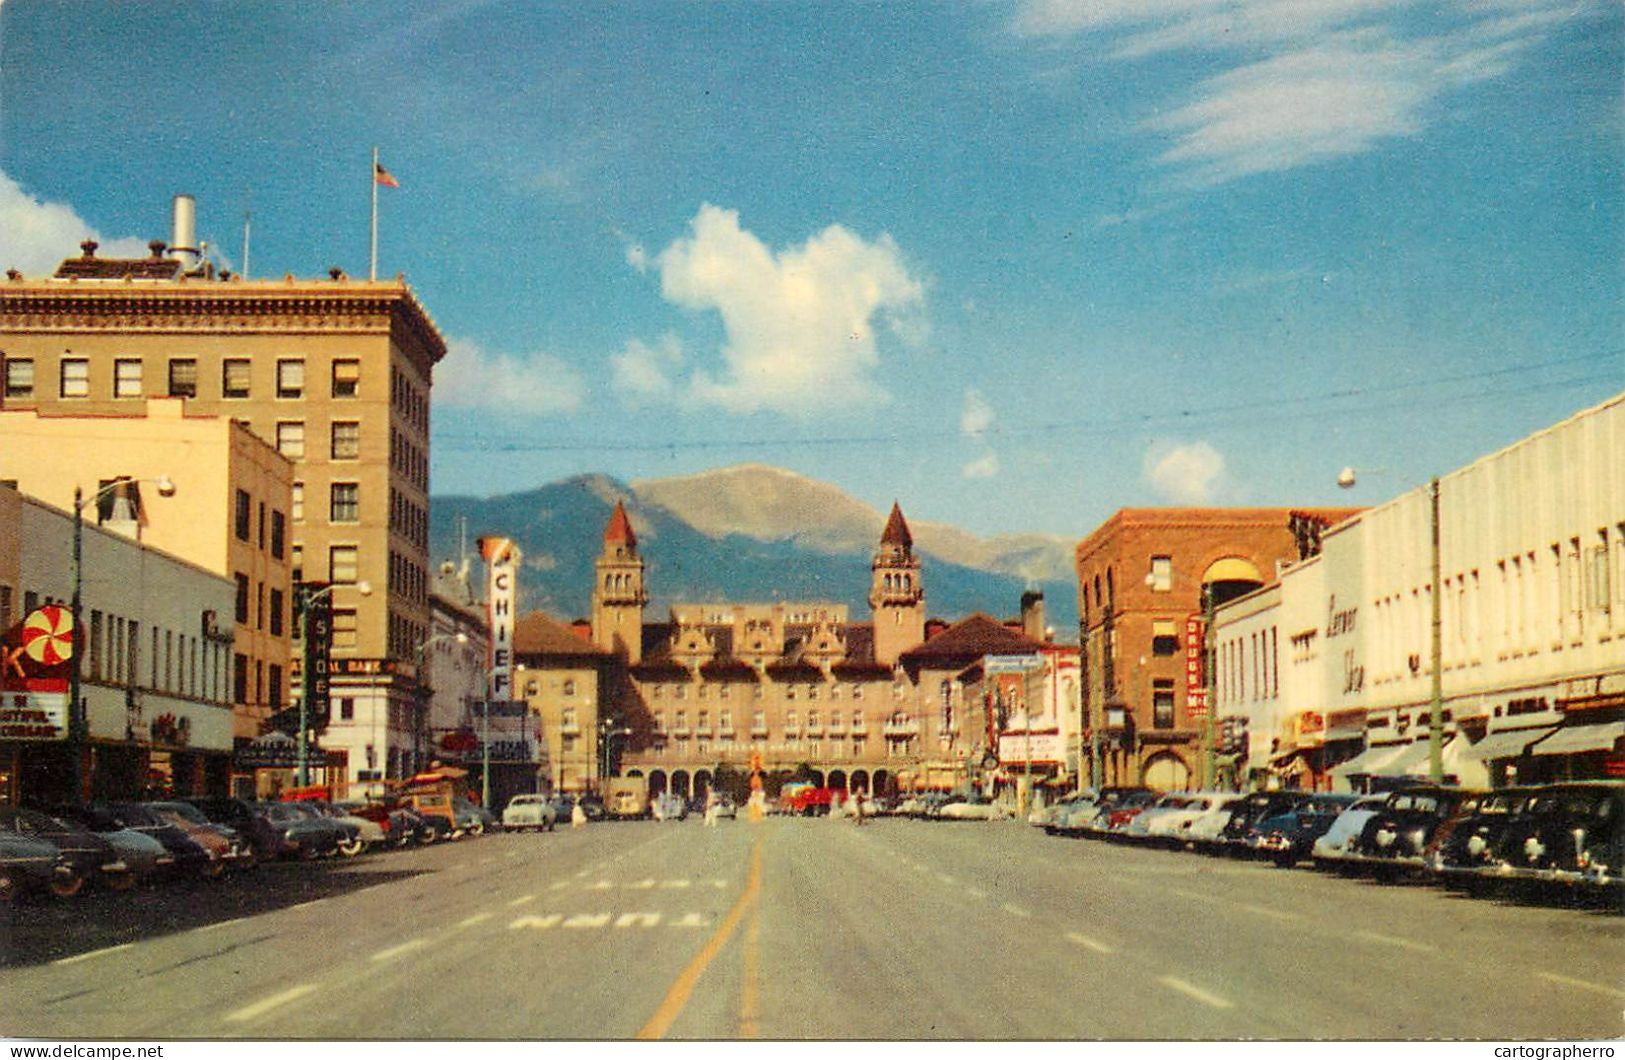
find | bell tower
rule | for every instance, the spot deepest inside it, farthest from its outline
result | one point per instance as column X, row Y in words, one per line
column 618, row 593
column 895, row 591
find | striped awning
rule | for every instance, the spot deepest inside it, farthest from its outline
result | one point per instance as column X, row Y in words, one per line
column 1509, row 744
column 1578, row 739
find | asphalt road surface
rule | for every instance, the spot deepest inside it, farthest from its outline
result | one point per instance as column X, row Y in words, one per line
column 806, row 929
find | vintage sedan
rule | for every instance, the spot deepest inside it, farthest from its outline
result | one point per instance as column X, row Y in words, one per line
column 29, row 864
column 1460, row 857
column 1173, row 826
column 1397, row 835
column 1254, row 807
column 1567, row 833
column 92, row 857
column 1332, row 847
column 190, row 856
column 234, row 849
column 534, row 812
column 1287, row 838
column 306, row 834
column 145, row 856
column 248, row 822
column 970, row 806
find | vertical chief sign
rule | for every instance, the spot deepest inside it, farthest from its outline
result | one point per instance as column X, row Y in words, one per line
column 502, row 566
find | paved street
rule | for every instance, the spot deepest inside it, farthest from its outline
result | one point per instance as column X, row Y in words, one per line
column 806, row 929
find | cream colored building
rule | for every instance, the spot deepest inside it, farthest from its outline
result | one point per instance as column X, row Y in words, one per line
column 335, row 374
column 229, row 514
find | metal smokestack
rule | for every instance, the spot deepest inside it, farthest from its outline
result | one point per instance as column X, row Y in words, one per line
column 183, row 240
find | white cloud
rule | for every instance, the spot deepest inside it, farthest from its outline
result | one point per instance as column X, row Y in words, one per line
column 36, row 235
column 1186, row 474
column 983, row 467
column 472, row 377
column 977, row 416
column 1321, row 79
column 643, row 372
column 799, row 323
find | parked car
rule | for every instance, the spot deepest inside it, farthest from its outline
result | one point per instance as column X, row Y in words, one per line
column 92, row 857
column 29, row 864
column 401, row 826
column 1139, row 829
column 473, row 820
column 145, row 856
column 1397, row 835
column 234, row 850
column 1287, row 838
column 1253, row 807
column 1205, row 827
column 190, row 855
column 529, row 811
column 1046, row 817
column 971, row 806
column 1333, row 847
column 248, row 822
column 1171, row 826
column 1462, row 857
column 368, row 834
column 1567, row 833
column 305, row 834
column 725, row 807
column 1115, row 815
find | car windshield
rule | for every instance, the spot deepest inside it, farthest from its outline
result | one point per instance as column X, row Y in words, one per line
column 136, row 817
column 181, row 809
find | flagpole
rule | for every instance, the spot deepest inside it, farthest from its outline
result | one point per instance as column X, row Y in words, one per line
column 372, row 179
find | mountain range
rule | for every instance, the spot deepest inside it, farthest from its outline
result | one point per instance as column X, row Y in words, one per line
column 747, row 533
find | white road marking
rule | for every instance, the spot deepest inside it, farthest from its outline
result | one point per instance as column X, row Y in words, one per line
column 1088, row 943
column 1391, row 940
column 1196, row 992
column 719, row 884
column 648, row 920
column 975, row 892
column 949, row 880
column 260, row 1008
column 475, row 919
column 588, row 920
column 397, row 951
column 693, row 920
column 95, row 953
column 541, row 923
column 673, row 884
column 602, row 885
column 221, row 924
column 1016, row 910
column 521, row 900
column 561, row 885
column 1582, row 984
column 641, row 885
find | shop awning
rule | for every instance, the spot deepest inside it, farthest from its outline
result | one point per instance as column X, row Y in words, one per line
column 1412, row 761
column 1509, row 744
column 1370, row 761
column 1578, row 739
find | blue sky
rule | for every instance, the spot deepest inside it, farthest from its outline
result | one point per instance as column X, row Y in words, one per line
column 1014, row 264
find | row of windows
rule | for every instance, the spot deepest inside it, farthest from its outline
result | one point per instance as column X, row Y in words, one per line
column 758, row 721
column 725, row 691
column 343, row 502
column 812, row 749
column 405, row 636
column 129, row 377
column 408, row 518
column 1249, row 667
column 408, row 459
column 407, row 578
column 244, row 524
column 344, row 439
column 265, row 608
column 408, row 399
column 257, row 684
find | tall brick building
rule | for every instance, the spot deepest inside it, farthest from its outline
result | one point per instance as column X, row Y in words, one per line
column 1145, row 576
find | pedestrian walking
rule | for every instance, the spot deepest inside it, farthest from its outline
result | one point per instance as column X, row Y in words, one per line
column 578, row 815
column 711, row 809
column 857, row 806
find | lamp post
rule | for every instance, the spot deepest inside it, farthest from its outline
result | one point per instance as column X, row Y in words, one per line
column 418, row 723
column 608, row 729
column 306, row 596
column 78, row 723
column 1346, row 479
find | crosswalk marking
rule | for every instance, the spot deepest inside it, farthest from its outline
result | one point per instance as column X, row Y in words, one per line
column 540, row 923
column 1196, row 992
column 260, row 1008
column 588, row 920
column 692, row 920
column 521, row 900
column 1088, row 943
column 396, row 951
column 647, row 920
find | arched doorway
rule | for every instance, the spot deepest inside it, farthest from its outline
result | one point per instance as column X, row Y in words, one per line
column 1166, row 772
column 837, row 779
column 679, row 783
column 883, row 784
column 860, row 782
column 657, row 782
column 818, row 779
column 702, row 784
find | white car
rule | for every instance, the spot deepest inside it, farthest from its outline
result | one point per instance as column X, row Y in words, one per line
column 1334, row 845
column 1047, row 817
column 969, row 808
column 530, row 811
column 1208, row 825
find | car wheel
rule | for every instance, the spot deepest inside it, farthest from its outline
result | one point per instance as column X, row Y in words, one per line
column 212, row 869
column 429, row 836
column 65, row 882
column 351, row 847
column 8, row 889
column 120, row 881
column 477, row 828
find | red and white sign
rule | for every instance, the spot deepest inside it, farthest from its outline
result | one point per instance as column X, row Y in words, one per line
column 48, row 635
column 33, row 716
column 1195, row 682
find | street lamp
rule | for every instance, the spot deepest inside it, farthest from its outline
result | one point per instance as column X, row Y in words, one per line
column 418, row 723
column 608, row 729
column 77, row 721
column 307, row 683
column 1346, row 479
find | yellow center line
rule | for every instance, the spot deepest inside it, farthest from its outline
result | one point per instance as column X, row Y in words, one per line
column 751, row 989
column 680, row 990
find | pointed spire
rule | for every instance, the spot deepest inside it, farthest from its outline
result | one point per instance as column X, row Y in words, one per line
column 896, row 532
column 619, row 531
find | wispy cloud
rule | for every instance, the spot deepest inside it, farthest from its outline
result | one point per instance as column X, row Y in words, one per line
column 984, row 466
column 646, row 374
column 975, row 420
column 36, row 235
column 475, row 378
column 800, row 323
column 1184, row 473
column 1321, row 80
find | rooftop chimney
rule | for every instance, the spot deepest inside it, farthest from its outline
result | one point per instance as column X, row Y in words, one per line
column 183, row 238
column 1032, row 614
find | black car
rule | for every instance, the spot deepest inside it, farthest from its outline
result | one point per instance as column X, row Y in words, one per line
column 1460, row 854
column 1252, row 809
column 305, row 833
column 190, row 856
column 250, row 823
column 92, row 857
column 29, row 864
column 1566, row 833
column 1287, row 838
column 1397, row 835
